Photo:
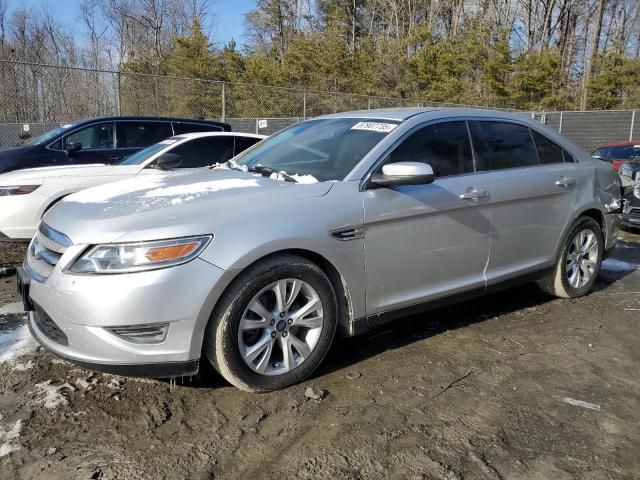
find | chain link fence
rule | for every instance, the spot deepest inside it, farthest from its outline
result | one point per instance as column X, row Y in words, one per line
column 37, row 97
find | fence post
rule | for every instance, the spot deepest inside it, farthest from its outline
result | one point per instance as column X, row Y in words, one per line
column 633, row 121
column 560, row 126
column 304, row 104
column 119, row 99
column 224, row 103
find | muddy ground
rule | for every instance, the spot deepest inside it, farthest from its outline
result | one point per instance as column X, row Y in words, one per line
column 515, row 385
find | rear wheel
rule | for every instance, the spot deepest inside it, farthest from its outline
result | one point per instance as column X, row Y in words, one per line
column 274, row 325
column 579, row 262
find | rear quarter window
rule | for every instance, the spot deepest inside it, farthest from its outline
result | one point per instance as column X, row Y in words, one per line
column 500, row 145
column 548, row 151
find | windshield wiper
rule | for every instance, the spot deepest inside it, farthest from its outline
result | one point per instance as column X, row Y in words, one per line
column 267, row 172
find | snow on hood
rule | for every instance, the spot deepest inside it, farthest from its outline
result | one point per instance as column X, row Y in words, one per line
column 177, row 203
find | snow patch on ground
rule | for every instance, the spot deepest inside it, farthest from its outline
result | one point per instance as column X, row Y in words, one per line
column 7, row 435
column 52, row 396
column 611, row 264
column 12, row 308
column 16, row 343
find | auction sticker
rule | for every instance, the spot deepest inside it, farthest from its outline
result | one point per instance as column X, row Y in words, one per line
column 374, row 126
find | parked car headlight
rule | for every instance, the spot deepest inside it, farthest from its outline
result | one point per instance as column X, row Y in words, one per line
column 636, row 191
column 7, row 191
column 140, row 256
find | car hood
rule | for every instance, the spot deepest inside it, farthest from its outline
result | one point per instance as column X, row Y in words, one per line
column 63, row 171
column 172, row 204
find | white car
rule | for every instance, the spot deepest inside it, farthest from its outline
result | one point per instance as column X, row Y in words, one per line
column 25, row 195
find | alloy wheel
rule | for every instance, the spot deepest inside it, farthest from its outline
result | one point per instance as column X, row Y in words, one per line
column 582, row 258
column 280, row 327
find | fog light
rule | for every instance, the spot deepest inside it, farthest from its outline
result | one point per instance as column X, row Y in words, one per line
column 152, row 333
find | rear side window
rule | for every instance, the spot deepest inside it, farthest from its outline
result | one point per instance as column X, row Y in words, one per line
column 203, row 152
column 444, row 146
column 242, row 143
column 548, row 151
column 179, row 128
column 141, row 134
column 95, row 137
column 500, row 145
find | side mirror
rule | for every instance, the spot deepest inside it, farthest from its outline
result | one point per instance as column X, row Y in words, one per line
column 168, row 161
column 72, row 147
column 404, row 173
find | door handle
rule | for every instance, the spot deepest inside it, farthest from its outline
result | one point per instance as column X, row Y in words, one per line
column 473, row 194
column 566, row 182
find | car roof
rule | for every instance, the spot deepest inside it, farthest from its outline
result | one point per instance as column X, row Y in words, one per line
column 144, row 118
column 193, row 135
column 401, row 114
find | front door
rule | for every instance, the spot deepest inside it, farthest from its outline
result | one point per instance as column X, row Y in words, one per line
column 423, row 242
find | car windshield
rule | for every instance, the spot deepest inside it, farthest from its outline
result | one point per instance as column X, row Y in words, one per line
column 327, row 149
column 50, row 135
column 625, row 152
column 146, row 153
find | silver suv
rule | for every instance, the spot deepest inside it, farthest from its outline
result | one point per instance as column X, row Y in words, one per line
column 340, row 223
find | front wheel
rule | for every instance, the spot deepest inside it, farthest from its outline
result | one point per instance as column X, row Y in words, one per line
column 579, row 261
column 274, row 325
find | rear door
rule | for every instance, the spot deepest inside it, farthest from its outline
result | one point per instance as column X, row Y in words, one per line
column 427, row 241
column 534, row 195
column 134, row 135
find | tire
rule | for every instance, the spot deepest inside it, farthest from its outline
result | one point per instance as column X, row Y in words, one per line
column 235, row 330
column 561, row 281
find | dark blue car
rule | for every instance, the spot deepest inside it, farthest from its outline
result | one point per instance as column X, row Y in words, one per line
column 99, row 140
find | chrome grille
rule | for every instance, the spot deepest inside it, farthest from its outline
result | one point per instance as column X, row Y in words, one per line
column 45, row 251
column 634, row 213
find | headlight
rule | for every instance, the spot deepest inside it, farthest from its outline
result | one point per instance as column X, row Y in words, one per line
column 136, row 257
column 16, row 190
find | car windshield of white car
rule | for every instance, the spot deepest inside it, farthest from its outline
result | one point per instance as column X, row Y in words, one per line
column 146, row 153
column 327, row 149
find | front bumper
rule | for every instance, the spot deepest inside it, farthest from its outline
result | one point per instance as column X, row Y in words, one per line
column 72, row 314
column 20, row 215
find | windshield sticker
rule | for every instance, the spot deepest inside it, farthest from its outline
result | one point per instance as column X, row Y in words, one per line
column 374, row 126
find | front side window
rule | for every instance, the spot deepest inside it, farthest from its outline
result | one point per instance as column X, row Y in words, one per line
column 142, row 134
column 500, row 145
column 548, row 151
column 444, row 146
column 203, row 152
column 327, row 149
column 95, row 137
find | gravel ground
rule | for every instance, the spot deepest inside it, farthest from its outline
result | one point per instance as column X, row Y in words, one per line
column 515, row 385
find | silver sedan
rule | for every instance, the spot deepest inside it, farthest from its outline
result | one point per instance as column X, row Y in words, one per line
column 335, row 225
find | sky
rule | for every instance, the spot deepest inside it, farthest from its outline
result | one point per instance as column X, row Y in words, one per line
column 226, row 24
